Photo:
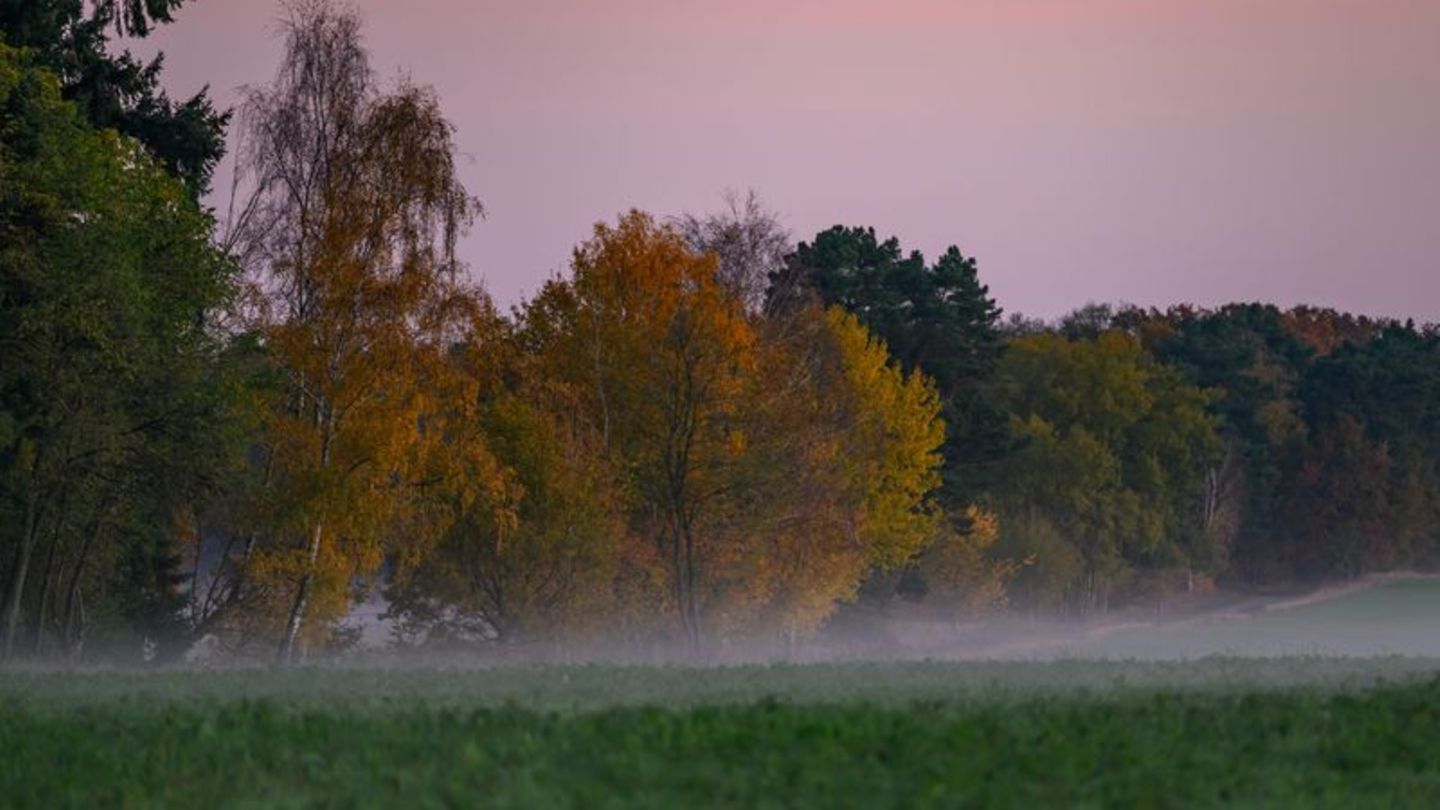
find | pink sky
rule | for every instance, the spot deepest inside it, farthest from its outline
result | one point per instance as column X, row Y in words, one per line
column 1151, row 151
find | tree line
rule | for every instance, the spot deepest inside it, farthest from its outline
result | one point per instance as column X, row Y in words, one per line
column 244, row 425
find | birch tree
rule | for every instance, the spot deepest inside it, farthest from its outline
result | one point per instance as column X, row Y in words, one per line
column 349, row 230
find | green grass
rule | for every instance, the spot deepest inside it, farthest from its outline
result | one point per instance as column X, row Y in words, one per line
column 1173, row 731
column 594, row 687
column 1394, row 618
column 1218, row 732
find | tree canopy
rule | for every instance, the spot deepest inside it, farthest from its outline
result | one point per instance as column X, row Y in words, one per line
column 116, row 91
column 936, row 318
column 108, row 285
column 697, row 435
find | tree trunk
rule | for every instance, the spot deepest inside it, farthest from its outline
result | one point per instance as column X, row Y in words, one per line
column 73, row 609
column 677, row 572
column 325, row 422
column 16, row 591
column 72, row 603
column 46, row 589
column 76, row 642
column 237, row 584
column 692, row 602
column 293, row 625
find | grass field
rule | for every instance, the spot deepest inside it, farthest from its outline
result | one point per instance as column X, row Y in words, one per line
column 1397, row 618
column 1248, row 732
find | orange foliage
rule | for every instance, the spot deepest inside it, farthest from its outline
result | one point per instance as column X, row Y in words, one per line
column 768, row 466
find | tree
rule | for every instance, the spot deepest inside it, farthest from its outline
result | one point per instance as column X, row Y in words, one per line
column 1112, row 453
column 1314, row 405
column 843, row 445
column 1367, row 397
column 1246, row 353
column 109, row 391
column 1337, row 504
column 770, row 465
column 1325, row 330
column 134, row 17
column 748, row 242
column 659, row 349
column 349, row 231
column 533, row 558
column 957, row 570
column 895, row 431
column 1089, row 321
column 936, row 318
column 71, row 38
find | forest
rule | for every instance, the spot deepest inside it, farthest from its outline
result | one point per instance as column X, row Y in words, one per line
column 244, row 421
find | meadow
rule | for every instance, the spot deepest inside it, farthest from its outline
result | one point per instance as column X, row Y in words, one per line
column 1220, row 732
column 1246, row 731
column 1394, row 617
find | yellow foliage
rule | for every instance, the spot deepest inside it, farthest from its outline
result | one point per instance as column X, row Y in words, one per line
column 361, row 313
column 892, row 454
column 637, row 448
column 658, row 353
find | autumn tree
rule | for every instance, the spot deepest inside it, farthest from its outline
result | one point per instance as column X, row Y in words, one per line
column 769, row 467
column 349, row 231
column 840, row 468
column 935, row 317
column 958, row 571
column 892, row 454
column 660, row 350
column 532, row 533
column 1324, row 330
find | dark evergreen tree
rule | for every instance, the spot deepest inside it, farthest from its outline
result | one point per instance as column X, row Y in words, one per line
column 936, row 317
column 117, row 91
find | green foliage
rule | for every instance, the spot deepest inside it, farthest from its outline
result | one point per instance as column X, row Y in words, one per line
column 891, row 736
column 937, row 318
column 71, row 38
column 1335, row 428
column 1364, row 495
column 108, row 284
column 1246, row 353
column 1111, row 453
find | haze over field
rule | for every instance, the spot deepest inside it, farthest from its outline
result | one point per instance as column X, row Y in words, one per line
column 1118, row 150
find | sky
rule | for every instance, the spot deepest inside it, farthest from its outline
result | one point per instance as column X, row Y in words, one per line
column 1142, row 151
